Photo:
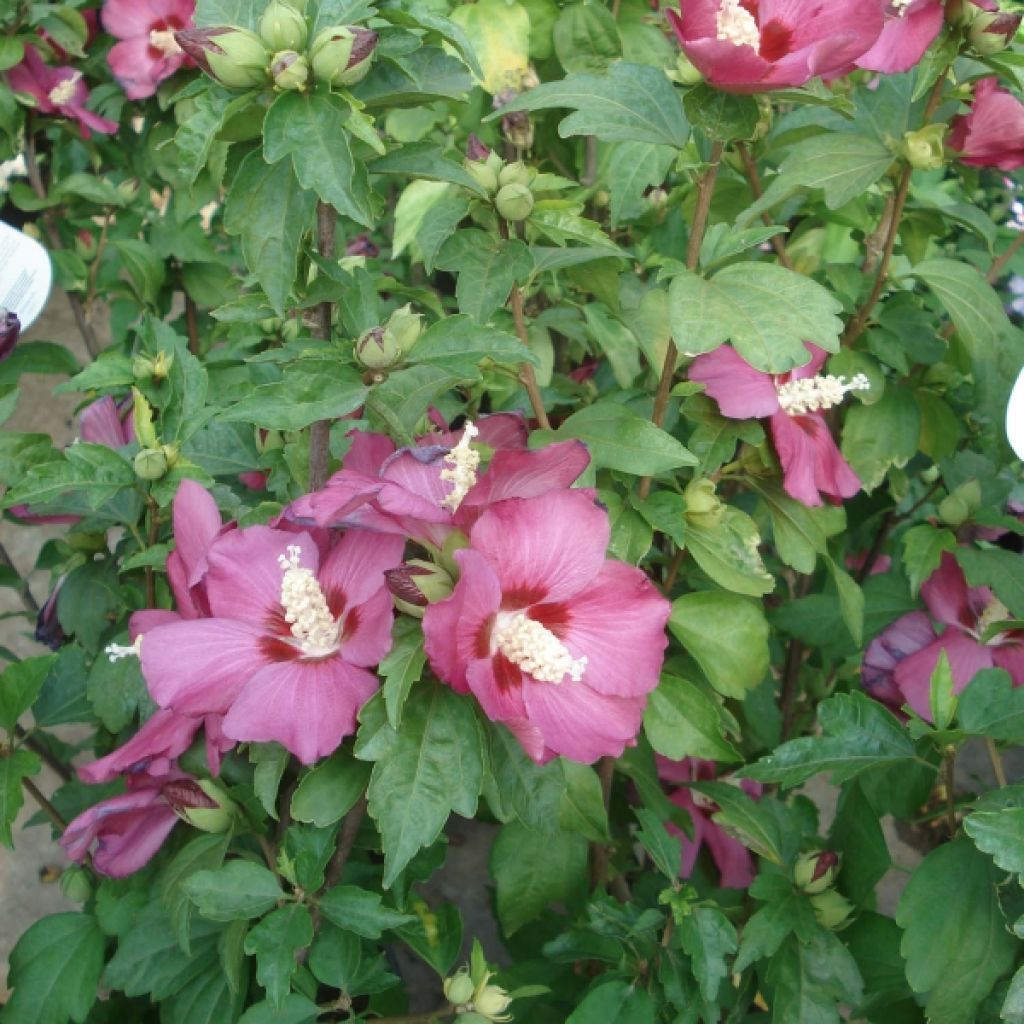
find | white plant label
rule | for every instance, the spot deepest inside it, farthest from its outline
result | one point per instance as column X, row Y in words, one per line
column 1015, row 417
column 25, row 275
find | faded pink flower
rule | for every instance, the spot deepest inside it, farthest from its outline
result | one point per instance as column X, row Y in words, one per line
column 58, row 91
column 794, row 403
column 147, row 52
column 760, row 45
column 554, row 640
column 906, row 636
column 283, row 651
column 910, row 28
column 734, row 861
column 992, row 133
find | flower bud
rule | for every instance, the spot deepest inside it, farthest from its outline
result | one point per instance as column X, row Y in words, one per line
column 405, row 327
column 419, row 583
column 831, row 909
column 162, row 366
column 514, row 202
column 703, row 507
column 923, row 148
column 282, row 27
column 515, row 173
column 960, row 12
column 484, row 174
column 518, row 129
column 992, row 32
column 48, row 628
column 685, row 73
column 458, row 989
column 362, row 245
column 491, row 1002
column 201, row 803
column 142, row 367
column 10, row 329
column 342, row 55
column 75, row 884
column 959, row 505
column 815, row 872
column 377, row 349
column 234, row 57
column 475, row 149
column 290, row 70
column 150, row 464
column 128, row 189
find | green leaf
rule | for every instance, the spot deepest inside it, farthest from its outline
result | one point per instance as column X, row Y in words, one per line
column 1000, row 834
column 582, row 807
column 768, row 312
column 203, row 853
column 402, row 668
column 858, row 734
column 457, row 343
column 310, row 128
column 857, row 834
column 239, row 889
column 721, row 115
column 330, row 789
column 727, row 636
column 992, row 706
column 404, row 398
column 620, row 439
column 425, row 160
column 13, row 768
column 270, row 760
column 314, row 388
column 681, row 720
column 1001, row 570
column 532, row 870
column 20, row 685
column 851, row 600
column 728, row 552
column 55, row 970
column 487, row 269
column 271, row 211
column 145, row 268
column 707, row 937
column 768, row 928
column 413, row 79
column 800, row 533
column 586, row 38
column 631, row 103
column 519, row 788
column 810, row 980
column 115, row 689
column 274, row 942
column 360, row 911
column 756, row 824
column 614, row 1002
column 922, row 552
column 207, row 999
column 294, row 1009
column 211, row 110
column 432, row 767
column 879, row 436
column 632, row 169
column 664, row 849
column 955, row 940
column 1013, row 1006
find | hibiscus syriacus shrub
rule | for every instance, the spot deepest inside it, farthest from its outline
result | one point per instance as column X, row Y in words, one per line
column 541, row 515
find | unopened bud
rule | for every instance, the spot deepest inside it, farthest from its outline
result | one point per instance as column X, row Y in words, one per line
column 923, row 148
column 992, row 32
column 419, row 583
column 492, row 1002
column 342, row 55
column 703, row 507
column 377, row 349
column 685, row 73
column 201, row 803
column 958, row 506
column 514, row 202
column 405, row 327
column 234, row 57
column 282, row 27
column 75, row 884
column 162, row 364
column 458, row 989
column 515, row 173
column 518, row 129
column 150, row 464
column 475, row 149
column 362, row 245
column 10, row 329
column 831, row 909
column 290, row 70
column 485, row 172
column 816, row 872
column 960, row 12
column 128, row 189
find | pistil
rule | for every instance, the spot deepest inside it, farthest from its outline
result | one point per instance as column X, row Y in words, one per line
column 536, row 650
column 815, row 394
column 461, row 464
column 737, row 25
column 305, row 607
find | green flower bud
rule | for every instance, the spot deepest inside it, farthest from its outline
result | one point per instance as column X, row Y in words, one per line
column 458, row 989
column 930, row 475
column 483, row 174
column 703, row 508
column 150, row 464
column 406, row 327
column 342, row 55
column 201, row 803
column 832, row 909
column 960, row 12
column 685, row 73
column 162, row 366
column 514, row 202
column 75, row 884
column 89, row 543
column 142, row 368
column 923, row 148
column 515, row 173
column 815, row 872
column 282, row 27
column 957, row 507
column 290, row 70
column 991, row 32
column 128, row 189
column 491, row 1002
column 417, row 583
column 233, row 56
column 170, row 454
column 377, row 349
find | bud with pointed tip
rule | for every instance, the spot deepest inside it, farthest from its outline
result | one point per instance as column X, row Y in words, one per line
column 405, row 327
column 377, row 349
column 485, row 171
column 992, row 32
column 201, row 803
column 475, row 149
column 234, row 57
column 923, row 148
column 290, row 70
column 362, row 245
column 418, row 583
column 75, row 884
column 10, row 329
column 514, row 202
column 492, row 1003
column 342, row 54
column 458, row 989
column 815, row 872
column 515, row 173
column 282, row 27
column 831, row 908
column 150, row 464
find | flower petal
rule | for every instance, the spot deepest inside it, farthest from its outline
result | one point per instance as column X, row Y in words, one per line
column 356, row 565
column 161, row 739
column 740, row 391
column 946, row 595
column 913, row 675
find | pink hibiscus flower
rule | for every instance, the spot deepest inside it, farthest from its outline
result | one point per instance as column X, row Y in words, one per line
column 553, row 639
column 283, row 650
column 734, row 861
column 967, row 614
column 59, row 91
column 909, row 29
column 124, row 832
column 992, row 133
column 760, row 45
column 147, row 52
column 794, row 403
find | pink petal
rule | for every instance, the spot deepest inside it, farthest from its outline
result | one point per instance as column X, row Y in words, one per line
column 196, row 521
column 543, row 549
column 100, row 423
column 308, row 707
column 903, row 41
column 356, row 566
column 913, row 675
column 908, row 634
column 124, row 19
column 946, row 595
column 367, row 454
column 366, row 630
column 497, row 685
column 88, row 120
column 161, row 739
column 531, row 740
column 740, row 391
column 832, row 473
column 1010, row 657
column 992, row 133
column 216, row 742
column 198, row 666
column 136, row 68
column 149, row 618
column 797, row 450
column 618, row 624
column 413, row 486
column 733, row 860
column 345, row 494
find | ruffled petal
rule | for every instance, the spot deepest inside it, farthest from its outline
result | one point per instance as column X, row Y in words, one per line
column 527, row 474
column 740, row 391
column 1010, row 657
column 497, row 685
column 196, row 522
column 797, row 453
column 161, row 739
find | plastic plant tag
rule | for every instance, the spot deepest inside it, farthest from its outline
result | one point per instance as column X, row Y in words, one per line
column 25, row 275
column 1015, row 417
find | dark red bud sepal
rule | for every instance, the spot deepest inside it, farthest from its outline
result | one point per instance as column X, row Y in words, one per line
column 10, row 330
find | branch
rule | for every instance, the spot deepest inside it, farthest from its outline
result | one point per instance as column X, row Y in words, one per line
column 44, row 805
column 320, row 432
column 346, row 841
column 750, row 166
column 24, row 593
column 705, row 191
column 999, row 264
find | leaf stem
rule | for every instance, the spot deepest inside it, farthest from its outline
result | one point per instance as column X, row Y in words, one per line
column 705, row 192
column 949, row 784
column 320, row 432
column 24, row 593
column 1000, row 262
column 44, row 805
column 750, row 166
column 996, row 760
column 342, row 851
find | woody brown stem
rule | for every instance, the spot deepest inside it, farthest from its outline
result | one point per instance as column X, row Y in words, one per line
column 750, row 166
column 320, row 432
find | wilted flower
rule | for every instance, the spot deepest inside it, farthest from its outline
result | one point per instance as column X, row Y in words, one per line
column 49, row 631
column 992, row 133
column 147, row 52
column 10, row 329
